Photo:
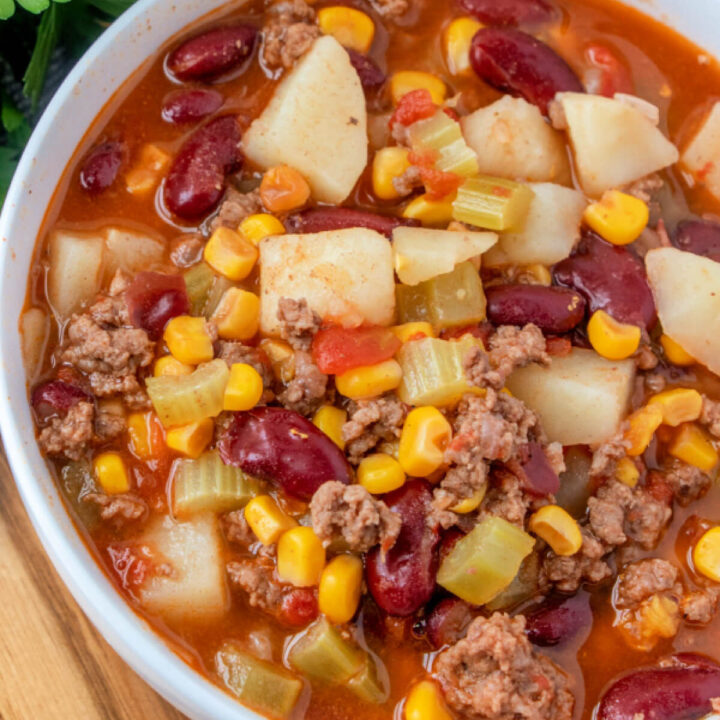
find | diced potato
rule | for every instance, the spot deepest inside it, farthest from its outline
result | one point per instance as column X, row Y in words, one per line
column 513, row 140
column 195, row 590
column 34, row 329
column 316, row 122
column 130, row 251
column 75, row 270
column 420, row 254
column 581, row 398
column 687, row 295
column 702, row 155
column 614, row 143
column 345, row 275
column 551, row 229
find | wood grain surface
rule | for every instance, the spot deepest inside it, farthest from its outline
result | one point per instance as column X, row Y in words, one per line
column 53, row 663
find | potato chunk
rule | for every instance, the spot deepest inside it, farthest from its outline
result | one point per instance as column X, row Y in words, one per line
column 315, row 122
column 345, row 275
column 702, row 155
column 131, row 252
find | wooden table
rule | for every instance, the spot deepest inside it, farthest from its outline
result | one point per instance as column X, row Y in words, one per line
column 53, row 663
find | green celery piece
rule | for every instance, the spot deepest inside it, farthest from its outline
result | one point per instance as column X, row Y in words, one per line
column 199, row 280
column 485, row 561
column 523, row 587
column 366, row 684
column 443, row 135
column 219, row 287
column 493, row 203
column 411, row 303
column 268, row 689
column 77, row 480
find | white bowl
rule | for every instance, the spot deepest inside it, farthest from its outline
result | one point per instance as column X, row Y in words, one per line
column 119, row 52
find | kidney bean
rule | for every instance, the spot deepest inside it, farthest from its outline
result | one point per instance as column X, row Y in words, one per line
column 535, row 471
column 196, row 179
column 338, row 218
column 371, row 76
column 447, row 622
column 299, row 607
column 701, row 237
column 212, row 53
column 610, row 278
column 101, row 166
column 155, row 298
column 402, row 579
column 187, row 106
column 558, row 619
column 283, row 447
column 552, row 309
column 56, row 397
column 518, row 63
column 510, row 12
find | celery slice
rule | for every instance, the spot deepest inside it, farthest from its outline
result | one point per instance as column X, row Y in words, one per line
column 485, row 561
column 183, row 399
column 524, row 585
column 269, row 689
column 493, row 203
column 219, row 286
column 198, row 281
column 366, row 684
column 77, row 480
column 442, row 134
column 209, row 484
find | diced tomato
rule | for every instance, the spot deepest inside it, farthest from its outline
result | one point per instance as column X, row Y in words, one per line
column 607, row 74
column 483, row 331
column 413, row 106
column 451, row 113
column 659, row 488
column 299, row 607
column 438, row 184
column 558, row 346
column 336, row 349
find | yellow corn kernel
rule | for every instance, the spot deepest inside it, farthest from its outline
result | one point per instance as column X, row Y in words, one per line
column 425, row 435
column 389, row 163
column 351, row 28
column 470, row 504
column 237, row 315
column 244, row 388
column 259, row 226
column 675, row 353
column 191, row 440
column 413, row 331
column 139, row 432
column 230, row 254
column 429, row 212
column 610, row 338
column 642, row 426
column 369, row 381
column 458, row 37
column 340, row 588
column 168, row 365
column 300, row 557
column 380, row 473
column 330, row 420
column 144, row 177
column 405, row 81
column 267, row 520
column 188, row 340
column 535, row 274
column 111, row 473
column 557, row 528
column 706, row 554
column 424, row 702
column 626, row 472
column 282, row 358
column 617, row 217
column 678, row 405
column 691, row 445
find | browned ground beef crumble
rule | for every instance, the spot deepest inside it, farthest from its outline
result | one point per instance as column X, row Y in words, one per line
column 371, row 423
column 256, row 577
column 235, row 207
column 288, row 34
column 298, row 323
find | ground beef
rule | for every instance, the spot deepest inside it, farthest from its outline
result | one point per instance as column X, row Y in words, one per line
column 494, row 674
column 69, row 436
column 568, row 572
column 459, row 483
column 655, row 382
column 506, row 499
column 298, row 323
column 236, row 352
column 186, row 250
column 645, row 578
column 645, row 358
column 257, row 578
column 700, row 606
column 237, row 530
column 688, row 483
column 391, row 9
column 407, row 182
column 288, row 34
column 109, row 420
column 606, row 456
column 710, row 416
column 371, row 423
column 350, row 512
column 306, row 391
column 121, row 509
column 235, row 207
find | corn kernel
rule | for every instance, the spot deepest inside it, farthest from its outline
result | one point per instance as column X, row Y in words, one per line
column 188, row 340
column 642, row 426
column 470, row 504
column 557, row 528
column 535, row 274
column 369, row 381
column 424, row 702
column 139, row 432
column 237, row 315
column 657, row 617
column 413, row 331
column 267, row 520
column 458, row 37
column 691, row 445
column 678, row 405
column 425, row 435
column 230, row 254
column 244, row 388
column 675, row 353
column 380, row 473
column 330, row 420
column 389, row 163
column 300, row 557
column 351, row 28
column 617, row 217
column 144, row 177
column 168, row 365
column 282, row 358
column 429, row 212
column 259, row 226
column 191, row 440
column 111, row 473
column 626, row 472
column 283, row 189
column 405, row 81
column 706, row 554
column 610, row 338
column 340, row 588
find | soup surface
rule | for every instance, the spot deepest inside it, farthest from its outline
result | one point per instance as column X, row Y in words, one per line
column 374, row 348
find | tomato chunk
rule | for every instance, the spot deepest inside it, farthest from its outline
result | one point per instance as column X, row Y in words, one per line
column 336, row 349
column 413, row 106
column 607, row 74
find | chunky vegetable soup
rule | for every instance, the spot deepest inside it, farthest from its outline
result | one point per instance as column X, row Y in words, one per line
column 374, row 347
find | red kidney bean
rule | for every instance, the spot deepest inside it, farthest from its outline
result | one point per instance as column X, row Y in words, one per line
column 552, row 309
column 535, row 471
column 610, row 278
column 55, row 398
column 212, row 53
column 447, row 622
column 155, row 298
column 283, row 447
column 402, row 579
column 558, row 620
column 371, row 76
column 338, row 218
column 518, row 63
column 188, row 106
column 701, row 237
column 510, row 12
column 299, row 607
column 196, row 179
column 101, row 166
